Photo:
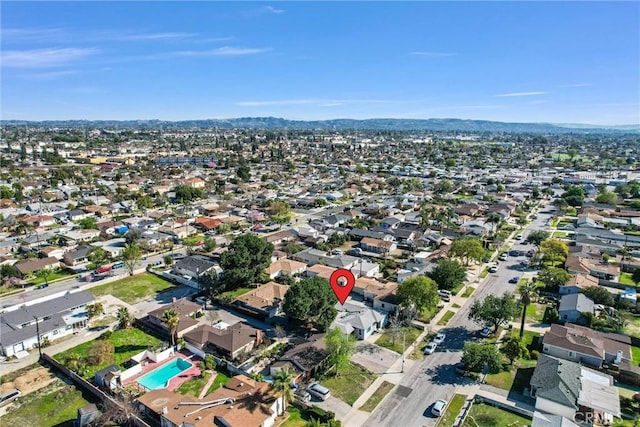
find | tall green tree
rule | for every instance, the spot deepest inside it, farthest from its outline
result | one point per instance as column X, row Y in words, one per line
column 171, row 318
column 311, row 301
column 247, row 257
column 476, row 356
column 131, row 256
column 467, row 249
column 124, row 318
column 527, row 291
column 514, row 348
column 599, row 295
column 494, row 311
column 554, row 251
column 554, row 277
column 282, row 382
column 417, row 293
column 340, row 347
column 536, row 237
column 448, row 274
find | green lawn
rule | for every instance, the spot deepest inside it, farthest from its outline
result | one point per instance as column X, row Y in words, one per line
column 635, row 353
column 445, row 319
column 489, row 416
column 133, row 289
column 222, row 377
column 455, row 305
column 193, row 386
column 296, row 418
column 126, row 343
column 485, row 273
column 427, row 314
column 535, row 313
column 457, row 288
column 375, row 399
column 387, row 339
column 54, row 405
column 450, row 415
column 468, row 291
column 625, row 278
column 350, row 384
column 234, row 294
column 55, row 275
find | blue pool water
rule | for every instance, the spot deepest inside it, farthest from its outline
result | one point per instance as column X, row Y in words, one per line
column 159, row 377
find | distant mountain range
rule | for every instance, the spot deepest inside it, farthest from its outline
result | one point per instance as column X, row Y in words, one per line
column 341, row 124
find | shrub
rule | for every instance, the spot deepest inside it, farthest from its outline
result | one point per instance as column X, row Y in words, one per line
column 99, row 352
column 534, row 354
column 105, row 336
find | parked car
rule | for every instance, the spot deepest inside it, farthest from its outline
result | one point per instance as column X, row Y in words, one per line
column 430, row 348
column 319, row 391
column 485, row 332
column 514, row 279
column 503, row 257
column 461, row 368
column 493, row 269
column 519, row 237
column 439, row 338
column 438, row 407
column 9, row 396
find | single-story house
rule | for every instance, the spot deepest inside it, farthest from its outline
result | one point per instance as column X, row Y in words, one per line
column 33, row 265
column 285, row 267
column 187, row 313
column 573, row 305
column 577, row 283
column 194, row 266
column 266, row 300
column 575, row 392
column 54, row 318
column 581, row 344
column 229, row 342
column 307, row 357
column 358, row 319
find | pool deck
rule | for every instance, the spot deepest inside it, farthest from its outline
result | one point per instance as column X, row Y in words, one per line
column 176, row 381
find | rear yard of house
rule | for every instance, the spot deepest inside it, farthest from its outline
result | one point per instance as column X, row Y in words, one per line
column 133, row 289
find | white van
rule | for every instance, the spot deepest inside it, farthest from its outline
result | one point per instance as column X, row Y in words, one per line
column 9, row 396
column 319, row 391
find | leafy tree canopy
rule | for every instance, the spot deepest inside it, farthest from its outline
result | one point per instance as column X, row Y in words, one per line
column 448, row 274
column 476, row 355
column 311, row 300
column 599, row 295
column 494, row 311
column 536, row 237
column 419, row 292
column 247, row 257
column 467, row 249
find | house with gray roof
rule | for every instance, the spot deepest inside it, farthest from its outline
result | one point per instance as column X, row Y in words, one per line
column 573, row 305
column 54, row 319
column 194, row 266
column 356, row 318
column 573, row 391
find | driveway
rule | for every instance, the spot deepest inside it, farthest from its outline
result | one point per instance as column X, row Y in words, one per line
column 375, row 358
column 334, row 404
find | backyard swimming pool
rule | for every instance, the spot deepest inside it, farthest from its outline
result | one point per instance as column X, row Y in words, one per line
column 159, row 377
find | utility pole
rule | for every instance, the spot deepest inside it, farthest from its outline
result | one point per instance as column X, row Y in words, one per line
column 403, row 348
column 38, row 332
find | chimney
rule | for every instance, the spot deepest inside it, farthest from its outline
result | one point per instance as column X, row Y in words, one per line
column 258, row 337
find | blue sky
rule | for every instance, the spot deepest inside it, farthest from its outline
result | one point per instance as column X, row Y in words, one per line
column 561, row 62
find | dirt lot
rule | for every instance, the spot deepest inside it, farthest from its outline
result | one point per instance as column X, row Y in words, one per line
column 29, row 381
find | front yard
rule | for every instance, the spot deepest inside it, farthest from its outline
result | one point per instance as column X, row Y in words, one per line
column 377, row 397
column 50, row 277
column 133, row 289
column 393, row 340
column 487, row 415
column 126, row 343
column 515, row 377
column 351, row 383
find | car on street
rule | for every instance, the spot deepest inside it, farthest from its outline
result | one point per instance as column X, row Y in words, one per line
column 430, row 348
column 503, row 257
column 514, row 279
column 438, row 407
column 439, row 338
column 485, row 332
column 519, row 237
column 493, row 269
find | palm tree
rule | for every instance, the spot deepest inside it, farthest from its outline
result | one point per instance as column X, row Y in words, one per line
column 171, row 319
column 527, row 292
column 124, row 318
column 282, row 382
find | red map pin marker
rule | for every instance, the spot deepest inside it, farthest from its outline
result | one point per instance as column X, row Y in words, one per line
column 342, row 283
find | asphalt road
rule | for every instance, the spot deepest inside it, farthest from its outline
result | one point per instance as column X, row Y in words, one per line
column 32, row 293
column 434, row 377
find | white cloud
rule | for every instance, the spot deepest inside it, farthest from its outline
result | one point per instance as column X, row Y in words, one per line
column 153, row 36
column 42, row 58
column 274, row 10
column 521, row 94
column 49, row 75
column 433, row 54
column 222, row 51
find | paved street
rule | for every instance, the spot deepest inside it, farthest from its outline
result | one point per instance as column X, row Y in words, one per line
column 434, row 377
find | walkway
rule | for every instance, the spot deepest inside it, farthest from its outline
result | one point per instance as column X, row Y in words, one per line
column 206, row 387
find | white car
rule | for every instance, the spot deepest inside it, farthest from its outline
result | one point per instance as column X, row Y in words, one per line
column 519, row 237
column 485, row 332
column 439, row 338
column 438, row 407
column 430, row 348
column 503, row 257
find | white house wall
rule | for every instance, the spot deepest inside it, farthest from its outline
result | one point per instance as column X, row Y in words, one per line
column 554, row 408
